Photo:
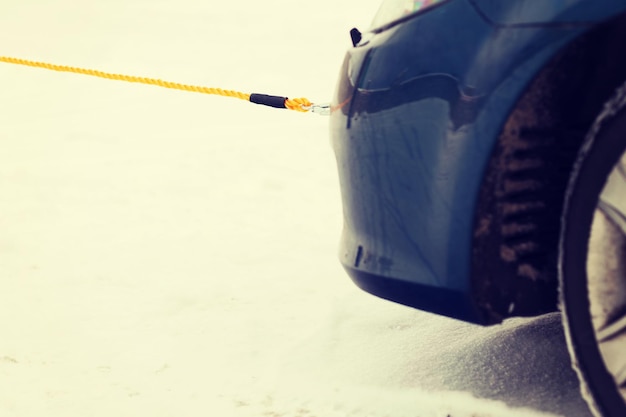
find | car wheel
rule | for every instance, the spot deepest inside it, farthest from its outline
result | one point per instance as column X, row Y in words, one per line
column 592, row 262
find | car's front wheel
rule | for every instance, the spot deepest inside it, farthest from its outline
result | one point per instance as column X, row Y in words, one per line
column 592, row 265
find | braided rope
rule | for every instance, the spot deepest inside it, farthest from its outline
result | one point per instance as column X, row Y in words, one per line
column 299, row 104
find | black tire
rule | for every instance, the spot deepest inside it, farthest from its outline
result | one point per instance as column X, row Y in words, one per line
column 583, row 301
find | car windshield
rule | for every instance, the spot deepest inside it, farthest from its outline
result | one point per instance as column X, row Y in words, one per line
column 391, row 10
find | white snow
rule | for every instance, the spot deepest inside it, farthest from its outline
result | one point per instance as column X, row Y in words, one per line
column 173, row 254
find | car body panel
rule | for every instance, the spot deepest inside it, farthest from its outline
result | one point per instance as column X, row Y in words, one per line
column 542, row 12
column 418, row 108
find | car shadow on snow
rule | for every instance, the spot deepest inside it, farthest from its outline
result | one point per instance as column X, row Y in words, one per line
column 524, row 363
column 368, row 343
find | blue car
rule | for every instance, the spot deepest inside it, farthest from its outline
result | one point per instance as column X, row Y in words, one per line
column 481, row 150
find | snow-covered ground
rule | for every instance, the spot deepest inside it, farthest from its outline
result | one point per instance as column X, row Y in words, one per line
column 172, row 254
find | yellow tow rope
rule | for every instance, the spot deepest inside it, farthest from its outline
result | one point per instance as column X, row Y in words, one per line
column 297, row 104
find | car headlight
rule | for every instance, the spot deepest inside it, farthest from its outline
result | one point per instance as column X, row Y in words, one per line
column 392, row 10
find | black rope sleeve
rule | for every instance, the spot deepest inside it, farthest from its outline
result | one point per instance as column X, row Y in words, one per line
column 272, row 101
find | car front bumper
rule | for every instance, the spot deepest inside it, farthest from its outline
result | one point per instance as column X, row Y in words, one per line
column 417, row 110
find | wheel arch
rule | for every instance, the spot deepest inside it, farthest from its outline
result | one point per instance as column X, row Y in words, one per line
column 517, row 215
